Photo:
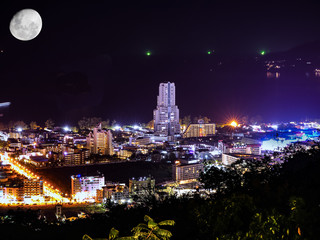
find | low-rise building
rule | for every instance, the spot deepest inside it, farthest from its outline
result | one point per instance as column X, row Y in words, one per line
column 156, row 140
column 241, row 148
column 124, row 154
column 77, row 157
column 142, row 185
column 11, row 193
column 32, row 187
column 117, row 193
column 85, row 187
column 229, row 158
column 200, row 130
column 38, row 161
column 186, row 170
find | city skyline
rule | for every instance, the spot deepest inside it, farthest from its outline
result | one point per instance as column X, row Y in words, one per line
column 72, row 69
column 201, row 119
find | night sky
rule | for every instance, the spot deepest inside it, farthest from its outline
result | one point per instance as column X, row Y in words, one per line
column 89, row 60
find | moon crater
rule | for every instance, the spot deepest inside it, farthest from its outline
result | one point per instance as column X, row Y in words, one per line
column 26, row 24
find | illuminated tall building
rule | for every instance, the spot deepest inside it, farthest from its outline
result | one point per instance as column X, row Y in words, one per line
column 166, row 115
column 100, row 141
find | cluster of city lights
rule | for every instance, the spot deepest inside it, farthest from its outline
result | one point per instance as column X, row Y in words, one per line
column 49, row 190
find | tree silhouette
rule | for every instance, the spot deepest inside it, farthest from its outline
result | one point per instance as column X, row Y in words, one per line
column 151, row 229
column 49, row 123
column 4, row 144
column 33, row 125
column 148, row 230
column 186, row 120
column 20, row 124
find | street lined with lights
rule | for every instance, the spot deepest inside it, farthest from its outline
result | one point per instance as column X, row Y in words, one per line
column 48, row 189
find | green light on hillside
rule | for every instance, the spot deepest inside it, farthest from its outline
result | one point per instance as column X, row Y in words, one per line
column 209, row 52
column 148, row 53
column 262, row 53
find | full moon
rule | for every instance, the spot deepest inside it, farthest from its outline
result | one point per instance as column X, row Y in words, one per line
column 26, row 24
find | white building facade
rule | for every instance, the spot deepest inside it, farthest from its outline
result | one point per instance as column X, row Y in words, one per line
column 85, row 187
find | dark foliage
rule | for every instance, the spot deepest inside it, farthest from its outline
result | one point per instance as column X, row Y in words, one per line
column 254, row 200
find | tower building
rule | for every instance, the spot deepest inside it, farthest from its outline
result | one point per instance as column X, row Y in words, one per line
column 166, row 115
column 100, row 141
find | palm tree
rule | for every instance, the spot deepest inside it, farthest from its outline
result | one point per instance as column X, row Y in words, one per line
column 149, row 230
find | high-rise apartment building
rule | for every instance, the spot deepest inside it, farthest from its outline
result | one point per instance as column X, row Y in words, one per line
column 166, row 115
column 100, row 141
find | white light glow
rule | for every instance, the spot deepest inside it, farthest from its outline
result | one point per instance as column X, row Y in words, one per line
column 117, row 127
column 274, row 126
column 5, row 104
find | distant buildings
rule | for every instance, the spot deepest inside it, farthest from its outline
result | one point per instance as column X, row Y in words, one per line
column 245, row 149
column 76, row 156
column 143, row 185
column 100, row 141
column 94, row 188
column 166, row 115
column 184, row 171
column 156, row 140
column 243, row 146
column 86, row 187
column 228, row 159
column 33, row 187
column 200, row 130
column 124, row 154
column 38, row 161
column 21, row 190
column 14, row 187
column 12, row 193
column 117, row 193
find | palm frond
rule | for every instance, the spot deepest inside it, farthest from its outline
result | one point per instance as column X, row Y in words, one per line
column 142, row 226
column 152, row 224
column 114, row 233
column 143, row 235
column 127, row 238
column 166, row 223
column 86, row 237
column 147, row 218
column 163, row 233
column 153, row 237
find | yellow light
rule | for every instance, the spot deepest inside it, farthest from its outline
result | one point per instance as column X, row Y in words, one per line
column 234, row 124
